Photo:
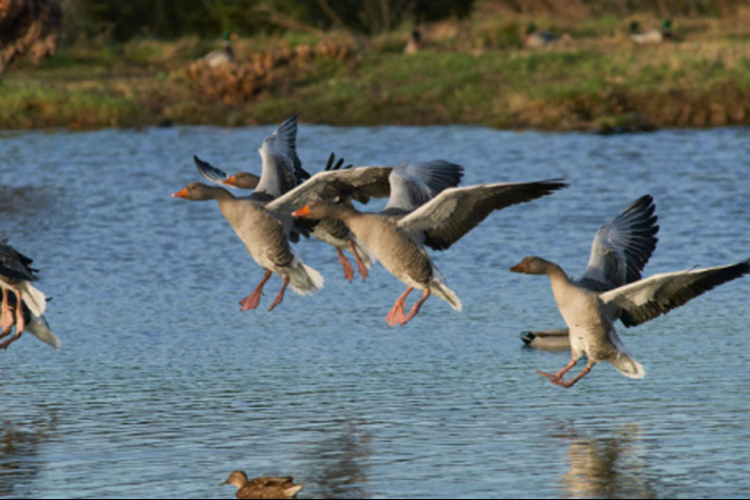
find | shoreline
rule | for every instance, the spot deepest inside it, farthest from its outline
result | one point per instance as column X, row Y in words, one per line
column 606, row 87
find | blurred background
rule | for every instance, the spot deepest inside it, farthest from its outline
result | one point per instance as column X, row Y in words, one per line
column 606, row 65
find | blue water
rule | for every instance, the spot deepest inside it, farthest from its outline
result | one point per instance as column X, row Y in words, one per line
column 162, row 387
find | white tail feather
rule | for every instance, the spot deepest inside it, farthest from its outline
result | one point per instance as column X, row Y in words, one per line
column 34, row 299
column 440, row 290
column 439, row 287
column 629, row 366
column 304, row 279
column 39, row 328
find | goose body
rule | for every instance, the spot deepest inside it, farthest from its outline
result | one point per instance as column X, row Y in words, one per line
column 398, row 242
column 266, row 238
column 619, row 252
column 590, row 315
column 406, row 186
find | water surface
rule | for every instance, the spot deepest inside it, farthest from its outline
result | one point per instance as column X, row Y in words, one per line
column 162, row 387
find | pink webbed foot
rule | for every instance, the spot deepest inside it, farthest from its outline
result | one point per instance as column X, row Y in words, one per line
column 396, row 314
column 416, row 307
column 550, row 376
column 251, row 301
column 8, row 342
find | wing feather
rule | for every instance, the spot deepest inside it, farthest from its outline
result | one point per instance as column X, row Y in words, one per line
column 446, row 218
column 651, row 297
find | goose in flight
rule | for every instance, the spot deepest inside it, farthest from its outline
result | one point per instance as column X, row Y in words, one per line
column 590, row 315
column 398, row 241
column 619, row 252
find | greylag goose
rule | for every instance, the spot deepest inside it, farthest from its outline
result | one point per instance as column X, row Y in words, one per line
column 590, row 315
column 37, row 325
column 398, row 244
column 263, row 487
column 330, row 231
column 619, row 252
column 406, row 186
column 266, row 237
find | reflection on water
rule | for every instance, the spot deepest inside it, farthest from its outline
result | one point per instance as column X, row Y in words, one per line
column 338, row 466
column 608, row 467
column 20, row 445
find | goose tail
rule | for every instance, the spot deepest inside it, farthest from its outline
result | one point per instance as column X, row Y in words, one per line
column 39, row 328
column 439, row 287
column 629, row 366
column 304, row 279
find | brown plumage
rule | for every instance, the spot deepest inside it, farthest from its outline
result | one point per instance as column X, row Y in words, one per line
column 263, row 487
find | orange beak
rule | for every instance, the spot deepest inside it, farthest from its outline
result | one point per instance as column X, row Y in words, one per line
column 232, row 181
column 302, row 212
column 180, row 194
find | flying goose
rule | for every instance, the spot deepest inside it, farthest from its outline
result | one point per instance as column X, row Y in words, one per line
column 620, row 250
column 398, row 243
column 330, row 231
column 590, row 315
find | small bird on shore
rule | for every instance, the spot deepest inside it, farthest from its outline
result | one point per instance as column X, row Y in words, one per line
column 263, row 487
column 653, row 36
column 222, row 56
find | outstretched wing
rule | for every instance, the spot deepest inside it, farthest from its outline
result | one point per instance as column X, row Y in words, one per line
column 415, row 184
column 622, row 247
column 360, row 183
column 651, row 297
column 446, row 218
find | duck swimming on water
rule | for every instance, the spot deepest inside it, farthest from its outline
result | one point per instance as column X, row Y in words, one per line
column 263, row 487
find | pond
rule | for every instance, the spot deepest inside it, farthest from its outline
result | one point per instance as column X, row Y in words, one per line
column 162, row 386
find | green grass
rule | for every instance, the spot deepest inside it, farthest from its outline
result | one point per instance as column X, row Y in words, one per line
column 697, row 82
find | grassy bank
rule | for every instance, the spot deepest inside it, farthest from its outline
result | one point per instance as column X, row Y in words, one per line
column 474, row 72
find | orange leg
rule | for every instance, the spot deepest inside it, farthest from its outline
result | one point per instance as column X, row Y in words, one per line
column 572, row 381
column 348, row 269
column 360, row 265
column 20, row 322
column 280, row 295
column 415, row 308
column 252, row 300
column 559, row 375
column 6, row 319
column 396, row 314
